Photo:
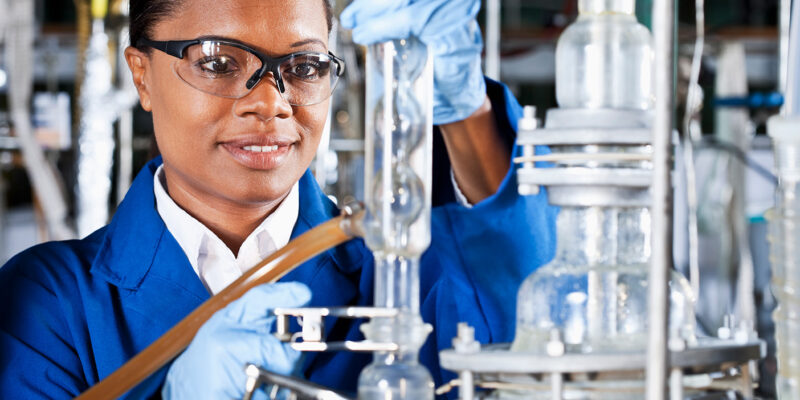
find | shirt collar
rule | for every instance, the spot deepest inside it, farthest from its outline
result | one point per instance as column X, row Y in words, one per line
column 136, row 242
column 194, row 237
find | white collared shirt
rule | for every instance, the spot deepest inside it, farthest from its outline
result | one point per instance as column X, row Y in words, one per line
column 211, row 259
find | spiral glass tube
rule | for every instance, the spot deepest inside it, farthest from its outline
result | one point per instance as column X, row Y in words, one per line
column 397, row 226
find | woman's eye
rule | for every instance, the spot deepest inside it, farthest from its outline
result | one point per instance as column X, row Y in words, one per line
column 217, row 65
column 305, row 71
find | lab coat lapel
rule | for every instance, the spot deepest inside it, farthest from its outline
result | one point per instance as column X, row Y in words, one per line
column 157, row 284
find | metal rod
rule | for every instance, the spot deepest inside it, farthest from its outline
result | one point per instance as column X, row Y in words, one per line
column 557, row 385
column 784, row 17
column 493, row 39
column 466, row 390
column 676, row 384
column 658, row 307
column 790, row 106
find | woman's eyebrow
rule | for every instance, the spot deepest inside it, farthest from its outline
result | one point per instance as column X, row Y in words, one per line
column 222, row 38
column 308, row 41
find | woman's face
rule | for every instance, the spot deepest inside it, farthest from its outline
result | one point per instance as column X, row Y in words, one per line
column 202, row 137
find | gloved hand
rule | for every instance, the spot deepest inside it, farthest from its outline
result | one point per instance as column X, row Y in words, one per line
column 212, row 367
column 448, row 28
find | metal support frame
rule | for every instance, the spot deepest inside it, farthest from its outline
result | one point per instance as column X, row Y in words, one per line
column 313, row 328
column 710, row 364
column 791, row 104
column 658, row 305
column 492, row 64
column 784, row 18
column 300, row 389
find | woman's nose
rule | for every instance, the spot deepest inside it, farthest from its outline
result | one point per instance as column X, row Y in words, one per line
column 264, row 101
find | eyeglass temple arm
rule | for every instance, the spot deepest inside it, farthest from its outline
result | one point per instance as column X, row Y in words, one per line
column 174, row 48
column 339, row 63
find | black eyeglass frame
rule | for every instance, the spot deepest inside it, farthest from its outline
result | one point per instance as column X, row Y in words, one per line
column 176, row 49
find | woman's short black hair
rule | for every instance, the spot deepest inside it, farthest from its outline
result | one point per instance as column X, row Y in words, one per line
column 144, row 14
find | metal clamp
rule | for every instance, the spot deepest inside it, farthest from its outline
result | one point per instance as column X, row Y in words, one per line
column 312, row 323
column 298, row 388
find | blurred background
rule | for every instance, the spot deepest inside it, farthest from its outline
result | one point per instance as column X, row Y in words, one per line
column 72, row 135
column 520, row 52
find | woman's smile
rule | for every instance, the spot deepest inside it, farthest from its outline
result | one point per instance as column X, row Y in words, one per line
column 259, row 152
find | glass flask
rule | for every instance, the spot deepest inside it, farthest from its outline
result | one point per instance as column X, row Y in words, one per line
column 784, row 238
column 594, row 292
column 398, row 175
column 604, row 59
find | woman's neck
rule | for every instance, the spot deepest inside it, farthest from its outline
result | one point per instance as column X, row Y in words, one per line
column 232, row 222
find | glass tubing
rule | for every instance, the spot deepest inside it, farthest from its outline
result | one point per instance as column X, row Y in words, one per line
column 399, row 121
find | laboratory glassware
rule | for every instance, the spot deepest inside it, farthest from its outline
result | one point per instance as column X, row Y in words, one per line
column 784, row 237
column 397, row 226
column 605, row 58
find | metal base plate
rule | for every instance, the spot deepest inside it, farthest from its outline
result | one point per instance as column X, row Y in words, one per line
column 497, row 359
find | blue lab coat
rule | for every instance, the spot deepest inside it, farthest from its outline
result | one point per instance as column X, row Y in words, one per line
column 73, row 312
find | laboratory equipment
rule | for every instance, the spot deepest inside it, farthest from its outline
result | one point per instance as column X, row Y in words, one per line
column 605, row 58
column 783, row 236
column 595, row 290
column 101, row 105
column 585, row 322
column 397, row 227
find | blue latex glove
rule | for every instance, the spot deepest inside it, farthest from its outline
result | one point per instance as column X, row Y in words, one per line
column 212, row 367
column 448, row 28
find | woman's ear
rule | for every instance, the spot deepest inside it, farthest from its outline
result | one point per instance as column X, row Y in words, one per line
column 138, row 62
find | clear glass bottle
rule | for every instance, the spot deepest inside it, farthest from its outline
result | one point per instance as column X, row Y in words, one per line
column 398, row 175
column 604, row 59
column 784, row 239
column 595, row 290
column 594, row 293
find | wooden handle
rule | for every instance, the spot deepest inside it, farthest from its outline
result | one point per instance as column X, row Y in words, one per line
column 175, row 340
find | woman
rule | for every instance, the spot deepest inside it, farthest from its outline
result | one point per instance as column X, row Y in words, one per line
column 236, row 135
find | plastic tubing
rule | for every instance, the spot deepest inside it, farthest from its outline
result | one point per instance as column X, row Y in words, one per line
column 272, row 268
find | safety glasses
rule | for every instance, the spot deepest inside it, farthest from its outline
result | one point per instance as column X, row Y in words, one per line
column 231, row 69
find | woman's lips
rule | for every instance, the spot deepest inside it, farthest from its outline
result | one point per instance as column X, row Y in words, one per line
column 258, row 157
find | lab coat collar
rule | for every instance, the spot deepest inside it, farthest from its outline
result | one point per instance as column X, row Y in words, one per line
column 316, row 208
column 134, row 235
column 137, row 240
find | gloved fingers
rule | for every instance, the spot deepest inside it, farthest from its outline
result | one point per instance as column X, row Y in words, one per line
column 458, row 78
column 252, row 308
column 360, row 11
column 278, row 357
column 235, row 348
column 427, row 19
column 381, row 29
column 448, row 108
column 446, row 16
